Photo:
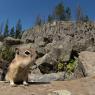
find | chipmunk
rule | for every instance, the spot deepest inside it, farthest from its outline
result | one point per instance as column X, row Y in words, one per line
column 19, row 67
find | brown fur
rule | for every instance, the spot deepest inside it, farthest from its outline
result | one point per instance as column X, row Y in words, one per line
column 19, row 67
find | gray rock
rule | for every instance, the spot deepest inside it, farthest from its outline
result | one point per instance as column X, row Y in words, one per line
column 36, row 71
column 60, row 92
column 12, row 41
column 40, row 51
column 40, row 41
column 50, row 58
column 46, row 77
column 28, row 45
column 1, row 71
column 29, row 34
column 1, row 44
column 78, row 72
column 60, row 49
column 87, row 61
column 43, row 59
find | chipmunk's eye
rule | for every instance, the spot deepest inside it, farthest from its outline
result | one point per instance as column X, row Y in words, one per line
column 27, row 52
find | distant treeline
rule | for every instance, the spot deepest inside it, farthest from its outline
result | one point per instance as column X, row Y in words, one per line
column 59, row 13
column 14, row 32
column 62, row 13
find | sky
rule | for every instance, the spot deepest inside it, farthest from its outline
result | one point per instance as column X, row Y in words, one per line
column 28, row 10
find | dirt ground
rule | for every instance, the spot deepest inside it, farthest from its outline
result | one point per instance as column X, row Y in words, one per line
column 84, row 86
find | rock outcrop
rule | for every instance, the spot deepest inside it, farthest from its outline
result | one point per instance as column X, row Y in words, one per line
column 12, row 41
column 69, row 35
column 87, row 61
column 58, row 41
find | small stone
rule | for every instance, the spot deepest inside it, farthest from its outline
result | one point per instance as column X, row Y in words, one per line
column 60, row 92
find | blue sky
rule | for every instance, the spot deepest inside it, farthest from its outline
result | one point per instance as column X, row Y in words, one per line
column 27, row 10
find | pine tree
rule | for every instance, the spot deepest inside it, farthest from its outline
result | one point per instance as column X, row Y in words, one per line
column 12, row 32
column 1, row 29
column 6, row 31
column 1, row 32
column 38, row 21
column 79, row 14
column 18, row 29
column 59, row 11
column 67, row 14
column 86, row 18
column 50, row 18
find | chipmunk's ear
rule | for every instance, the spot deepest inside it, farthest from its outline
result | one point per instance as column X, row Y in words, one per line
column 17, row 50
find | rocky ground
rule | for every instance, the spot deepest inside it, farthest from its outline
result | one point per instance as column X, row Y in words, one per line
column 84, row 86
column 65, row 59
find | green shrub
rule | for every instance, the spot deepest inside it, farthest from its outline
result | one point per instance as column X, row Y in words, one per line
column 71, row 66
column 60, row 65
column 7, row 53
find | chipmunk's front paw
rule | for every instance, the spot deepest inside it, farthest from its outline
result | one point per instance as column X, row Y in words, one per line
column 12, row 84
column 25, row 83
